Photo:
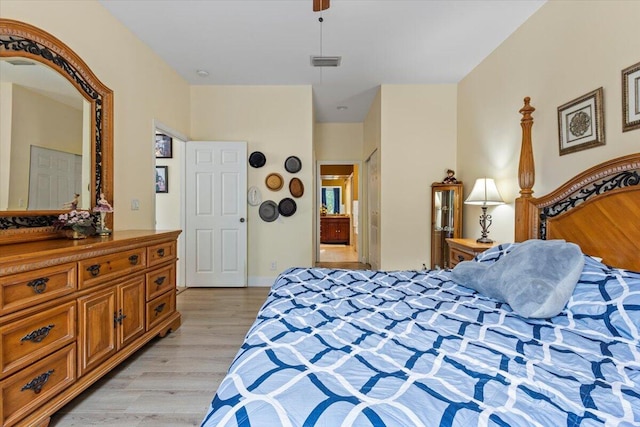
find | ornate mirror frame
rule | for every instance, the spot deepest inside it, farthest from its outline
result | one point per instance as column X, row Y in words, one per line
column 18, row 39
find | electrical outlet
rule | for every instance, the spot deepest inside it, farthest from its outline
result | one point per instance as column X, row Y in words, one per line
column 274, row 265
column 135, row 204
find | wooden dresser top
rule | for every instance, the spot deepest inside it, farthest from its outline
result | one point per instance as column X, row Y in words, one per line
column 66, row 247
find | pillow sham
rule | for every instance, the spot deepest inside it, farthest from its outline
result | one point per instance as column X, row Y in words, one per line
column 536, row 277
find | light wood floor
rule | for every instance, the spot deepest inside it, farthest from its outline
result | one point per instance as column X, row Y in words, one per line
column 171, row 381
column 339, row 256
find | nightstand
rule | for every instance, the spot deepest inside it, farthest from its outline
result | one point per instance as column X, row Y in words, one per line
column 465, row 250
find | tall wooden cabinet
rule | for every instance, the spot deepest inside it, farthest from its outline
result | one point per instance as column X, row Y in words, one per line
column 70, row 311
column 446, row 221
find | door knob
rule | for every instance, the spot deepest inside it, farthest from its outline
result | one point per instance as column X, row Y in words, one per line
column 241, row 219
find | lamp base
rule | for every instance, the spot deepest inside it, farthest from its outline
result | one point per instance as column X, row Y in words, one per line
column 484, row 240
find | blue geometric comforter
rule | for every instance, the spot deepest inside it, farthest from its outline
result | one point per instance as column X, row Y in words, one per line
column 412, row 348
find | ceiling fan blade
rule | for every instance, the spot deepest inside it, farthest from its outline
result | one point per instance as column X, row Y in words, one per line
column 319, row 5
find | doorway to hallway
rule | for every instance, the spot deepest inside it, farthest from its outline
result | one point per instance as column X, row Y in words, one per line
column 338, row 212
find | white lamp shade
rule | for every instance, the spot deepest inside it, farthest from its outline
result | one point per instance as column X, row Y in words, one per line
column 484, row 193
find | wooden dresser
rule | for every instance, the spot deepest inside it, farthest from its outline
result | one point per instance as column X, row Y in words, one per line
column 72, row 310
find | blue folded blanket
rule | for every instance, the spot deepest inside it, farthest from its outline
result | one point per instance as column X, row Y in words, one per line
column 536, row 278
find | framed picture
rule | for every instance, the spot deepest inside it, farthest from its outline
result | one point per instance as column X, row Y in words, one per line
column 164, row 149
column 162, row 179
column 581, row 123
column 631, row 98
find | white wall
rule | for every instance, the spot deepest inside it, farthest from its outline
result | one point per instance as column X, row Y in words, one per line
column 418, row 144
column 565, row 50
column 144, row 86
column 278, row 121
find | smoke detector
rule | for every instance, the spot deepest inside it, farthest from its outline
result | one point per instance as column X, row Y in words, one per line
column 325, row 61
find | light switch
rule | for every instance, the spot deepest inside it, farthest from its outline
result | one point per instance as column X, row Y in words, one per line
column 135, row 204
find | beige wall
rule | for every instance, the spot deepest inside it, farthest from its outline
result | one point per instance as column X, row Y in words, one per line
column 144, row 86
column 38, row 121
column 418, row 143
column 563, row 51
column 278, row 121
column 338, row 141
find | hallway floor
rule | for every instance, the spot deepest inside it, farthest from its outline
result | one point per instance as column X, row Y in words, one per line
column 339, row 256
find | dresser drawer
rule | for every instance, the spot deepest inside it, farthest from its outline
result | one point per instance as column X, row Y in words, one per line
column 30, row 339
column 160, row 308
column 162, row 252
column 33, row 287
column 35, row 385
column 98, row 270
column 456, row 256
column 160, row 281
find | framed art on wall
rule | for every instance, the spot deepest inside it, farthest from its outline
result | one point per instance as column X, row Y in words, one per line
column 164, row 149
column 581, row 123
column 162, row 179
column 631, row 98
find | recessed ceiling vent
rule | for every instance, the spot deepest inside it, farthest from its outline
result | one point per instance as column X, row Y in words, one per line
column 326, row 61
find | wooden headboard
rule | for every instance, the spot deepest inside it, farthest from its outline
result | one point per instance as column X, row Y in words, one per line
column 599, row 209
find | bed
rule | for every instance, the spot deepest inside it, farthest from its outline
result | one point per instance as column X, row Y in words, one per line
column 336, row 347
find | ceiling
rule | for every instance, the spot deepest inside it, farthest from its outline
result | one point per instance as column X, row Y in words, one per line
column 270, row 42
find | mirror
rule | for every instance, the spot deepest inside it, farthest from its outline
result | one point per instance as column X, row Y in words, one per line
column 91, row 129
column 46, row 133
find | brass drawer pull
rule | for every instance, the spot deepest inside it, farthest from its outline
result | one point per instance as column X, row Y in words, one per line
column 38, row 382
column 160, row 252
column 94, row 269
column 133, row 259
column 159, row 308
column 38, row 335
column 460, row 258
column 39, row 286
column 160, row 280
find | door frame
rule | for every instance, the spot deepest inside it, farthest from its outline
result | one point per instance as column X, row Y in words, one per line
column 181, row 272
column 362, row 256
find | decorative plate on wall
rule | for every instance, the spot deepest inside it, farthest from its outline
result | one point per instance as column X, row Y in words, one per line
column 292, row 164
column 274, row 181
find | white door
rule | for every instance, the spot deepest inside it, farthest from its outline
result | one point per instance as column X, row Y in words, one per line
column 216, row 212
column 54, row 177
column 373, row 205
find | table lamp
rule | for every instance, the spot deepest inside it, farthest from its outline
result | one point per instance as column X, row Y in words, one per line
column 484, row 193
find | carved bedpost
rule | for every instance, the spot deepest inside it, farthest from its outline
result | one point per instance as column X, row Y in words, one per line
column 526, row 177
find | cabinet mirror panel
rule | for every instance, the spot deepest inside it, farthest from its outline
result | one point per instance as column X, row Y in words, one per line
column 446, row 221
column 56, row 137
